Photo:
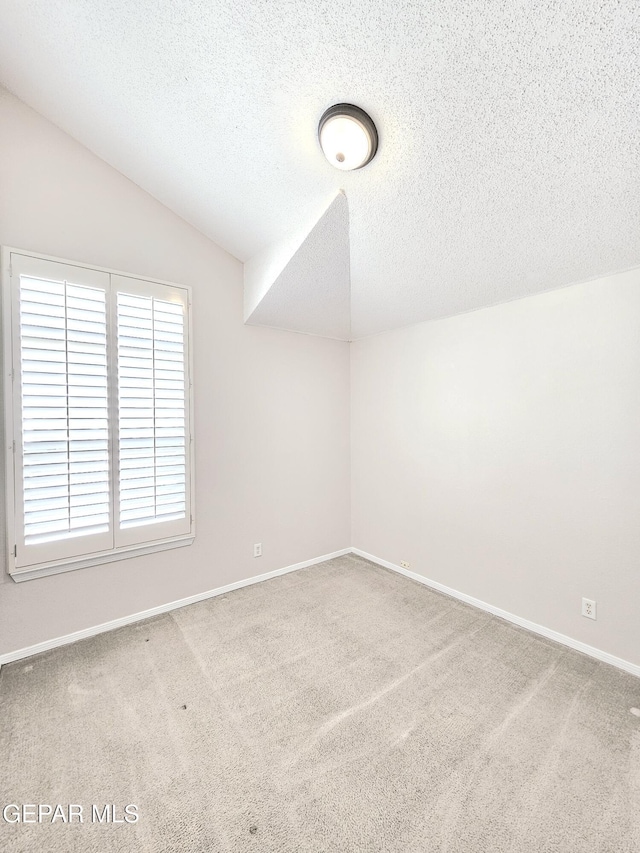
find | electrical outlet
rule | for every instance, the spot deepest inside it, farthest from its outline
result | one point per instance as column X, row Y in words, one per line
column 257, row 549
column 588, row 608
column 404, row 564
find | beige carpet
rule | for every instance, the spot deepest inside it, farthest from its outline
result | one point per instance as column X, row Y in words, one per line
column 336, row 709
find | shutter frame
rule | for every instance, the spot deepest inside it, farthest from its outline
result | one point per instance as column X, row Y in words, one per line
column 26, row 562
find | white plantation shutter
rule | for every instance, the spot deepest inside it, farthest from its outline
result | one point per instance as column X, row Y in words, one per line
column 153, row 487
column 100, row 422
column 63, row 348
column 64, row 504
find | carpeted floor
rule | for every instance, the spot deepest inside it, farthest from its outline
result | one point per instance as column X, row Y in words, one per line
column 338, row 709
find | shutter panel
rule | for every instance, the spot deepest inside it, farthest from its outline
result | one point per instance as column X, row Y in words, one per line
column 64, row 501
column 153, row 437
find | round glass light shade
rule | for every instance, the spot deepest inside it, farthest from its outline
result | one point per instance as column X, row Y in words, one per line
column 348, row 137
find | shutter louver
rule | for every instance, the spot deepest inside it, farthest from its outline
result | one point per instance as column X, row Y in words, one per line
column 65, row 441
column 151, row 410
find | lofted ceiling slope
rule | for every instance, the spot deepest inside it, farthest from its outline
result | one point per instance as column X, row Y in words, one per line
column 509, row 158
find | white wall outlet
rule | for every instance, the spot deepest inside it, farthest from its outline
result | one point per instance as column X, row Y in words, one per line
column 257, row 549
column 404, row 564
column 588, row 608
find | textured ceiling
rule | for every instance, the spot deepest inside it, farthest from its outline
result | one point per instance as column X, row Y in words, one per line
column 509, row 158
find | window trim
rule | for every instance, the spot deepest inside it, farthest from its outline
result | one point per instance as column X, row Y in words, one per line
column 7, row 324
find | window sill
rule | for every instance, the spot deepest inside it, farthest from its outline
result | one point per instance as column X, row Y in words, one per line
column 41, row 570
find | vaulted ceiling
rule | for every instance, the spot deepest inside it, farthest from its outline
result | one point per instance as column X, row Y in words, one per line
column 509, row 158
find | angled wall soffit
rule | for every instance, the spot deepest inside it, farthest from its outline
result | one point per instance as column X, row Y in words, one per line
column 303, row 283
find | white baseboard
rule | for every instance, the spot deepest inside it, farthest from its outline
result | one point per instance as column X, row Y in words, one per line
column 162, row 608
column 598, row 654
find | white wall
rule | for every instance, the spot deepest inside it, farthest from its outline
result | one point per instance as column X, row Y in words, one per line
column 271, row 407
column 498, row 453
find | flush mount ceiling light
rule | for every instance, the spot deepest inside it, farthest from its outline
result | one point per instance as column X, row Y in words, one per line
column 347, row 136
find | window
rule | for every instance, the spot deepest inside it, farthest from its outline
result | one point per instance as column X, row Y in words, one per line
column 97, row 415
